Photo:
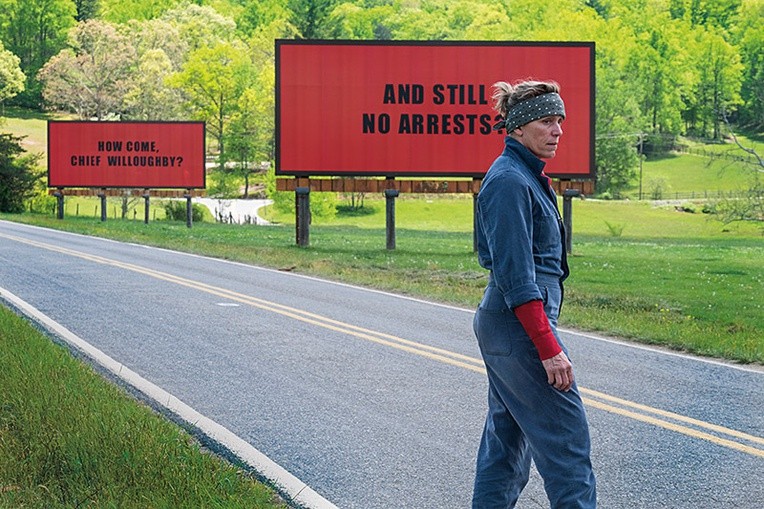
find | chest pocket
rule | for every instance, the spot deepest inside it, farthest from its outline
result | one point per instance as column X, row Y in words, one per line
column 546, row 234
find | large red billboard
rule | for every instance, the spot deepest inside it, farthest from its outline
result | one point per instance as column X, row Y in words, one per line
column 414, row 108
column 153, row 155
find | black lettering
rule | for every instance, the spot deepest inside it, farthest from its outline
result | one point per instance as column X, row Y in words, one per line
column 432, row 124
column 368, row 123
column 485, row 123
column 384, row 123
column 404, row 94
column 109, row 146
column 452, row 89
column 458, row 124
column 445, row 127
column 437, row 94
column 417, row 94
column 140, row 146
column 417, row 123
column 389, row 96
column 85, row 160
column 372, row 123
column 404, row 126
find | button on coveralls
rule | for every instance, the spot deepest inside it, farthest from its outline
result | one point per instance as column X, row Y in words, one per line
column 520, row 241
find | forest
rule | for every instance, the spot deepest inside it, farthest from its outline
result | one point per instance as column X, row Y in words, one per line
column 664, row 68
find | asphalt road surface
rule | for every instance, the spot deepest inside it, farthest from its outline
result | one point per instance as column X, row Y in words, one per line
column 376, row 400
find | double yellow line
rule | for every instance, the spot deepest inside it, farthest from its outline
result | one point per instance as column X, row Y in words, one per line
column 702, row 430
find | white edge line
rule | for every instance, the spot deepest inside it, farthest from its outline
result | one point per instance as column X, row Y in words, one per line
column 422, row 301
column 297, row 491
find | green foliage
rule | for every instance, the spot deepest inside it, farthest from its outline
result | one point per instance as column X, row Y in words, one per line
column 18, row 174
column 35, row 30
column 176, row 210
column 91, row 77
column 212, row 80
column 11, row 76
column 615, row 229
column 122, row 11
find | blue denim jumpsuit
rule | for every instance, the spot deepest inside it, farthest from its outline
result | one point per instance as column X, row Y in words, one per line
column 520, row 240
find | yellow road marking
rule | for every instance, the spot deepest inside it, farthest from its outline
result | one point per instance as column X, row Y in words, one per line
column 430, row 352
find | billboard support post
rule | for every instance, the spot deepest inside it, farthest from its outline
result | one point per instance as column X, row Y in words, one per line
column 102, row 196
column 474, row 222
column 189, row 208
column 567, row 217
column 390, row 196
column 146, row 198
column 302, row 210
column 59, row 194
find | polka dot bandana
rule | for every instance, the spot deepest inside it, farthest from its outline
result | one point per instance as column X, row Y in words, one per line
column 533, row 109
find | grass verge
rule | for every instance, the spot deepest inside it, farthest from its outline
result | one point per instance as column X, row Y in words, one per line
column 68, row 438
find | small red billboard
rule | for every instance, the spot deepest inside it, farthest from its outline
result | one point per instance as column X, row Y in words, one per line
column 152, row 155
column 416, row 108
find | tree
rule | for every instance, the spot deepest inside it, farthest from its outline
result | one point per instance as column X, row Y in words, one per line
column 256, row 15
column 212, row 81
column 719, row 76
column 87, row 9
column 310, row 16
column 11, row 76
column 148, row 96
column 121, row 11
column 157, row 34
column 748, row 35
column 35, row 30
column 92, row 77
column 200, row 26
column 18, row 174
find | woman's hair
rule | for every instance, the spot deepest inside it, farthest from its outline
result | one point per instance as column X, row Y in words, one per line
column 506, row 95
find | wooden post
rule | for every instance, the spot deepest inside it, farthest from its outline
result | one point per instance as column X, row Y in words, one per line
column 146, row 198
column 302, row 210
column 102, row 195
column 59, row 194
column 189, row 208
column 390, row 196
column 567, row 217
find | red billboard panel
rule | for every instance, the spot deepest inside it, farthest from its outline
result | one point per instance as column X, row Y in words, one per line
column 419, row 108
column 154, row 155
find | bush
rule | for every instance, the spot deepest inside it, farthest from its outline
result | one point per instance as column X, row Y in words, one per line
column 18, row 174
column 175, row 210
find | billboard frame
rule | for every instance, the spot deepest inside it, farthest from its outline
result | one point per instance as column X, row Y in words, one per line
column 203, row 148
column 589, row 174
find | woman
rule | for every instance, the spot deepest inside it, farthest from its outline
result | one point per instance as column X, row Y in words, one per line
column 534, row 408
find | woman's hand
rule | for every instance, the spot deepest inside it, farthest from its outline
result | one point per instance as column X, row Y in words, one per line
column 559, row 371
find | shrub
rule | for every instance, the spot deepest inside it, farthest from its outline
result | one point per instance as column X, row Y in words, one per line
column 175, row 210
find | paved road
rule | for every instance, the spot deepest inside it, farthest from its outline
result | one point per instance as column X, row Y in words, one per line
column 376, row 400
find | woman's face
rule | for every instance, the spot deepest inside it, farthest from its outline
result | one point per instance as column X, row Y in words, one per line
column 541, row 136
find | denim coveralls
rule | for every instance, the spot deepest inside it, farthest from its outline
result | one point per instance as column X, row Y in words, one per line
column 520, row 241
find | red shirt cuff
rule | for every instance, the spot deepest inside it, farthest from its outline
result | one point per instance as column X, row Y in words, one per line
column 536, row 325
